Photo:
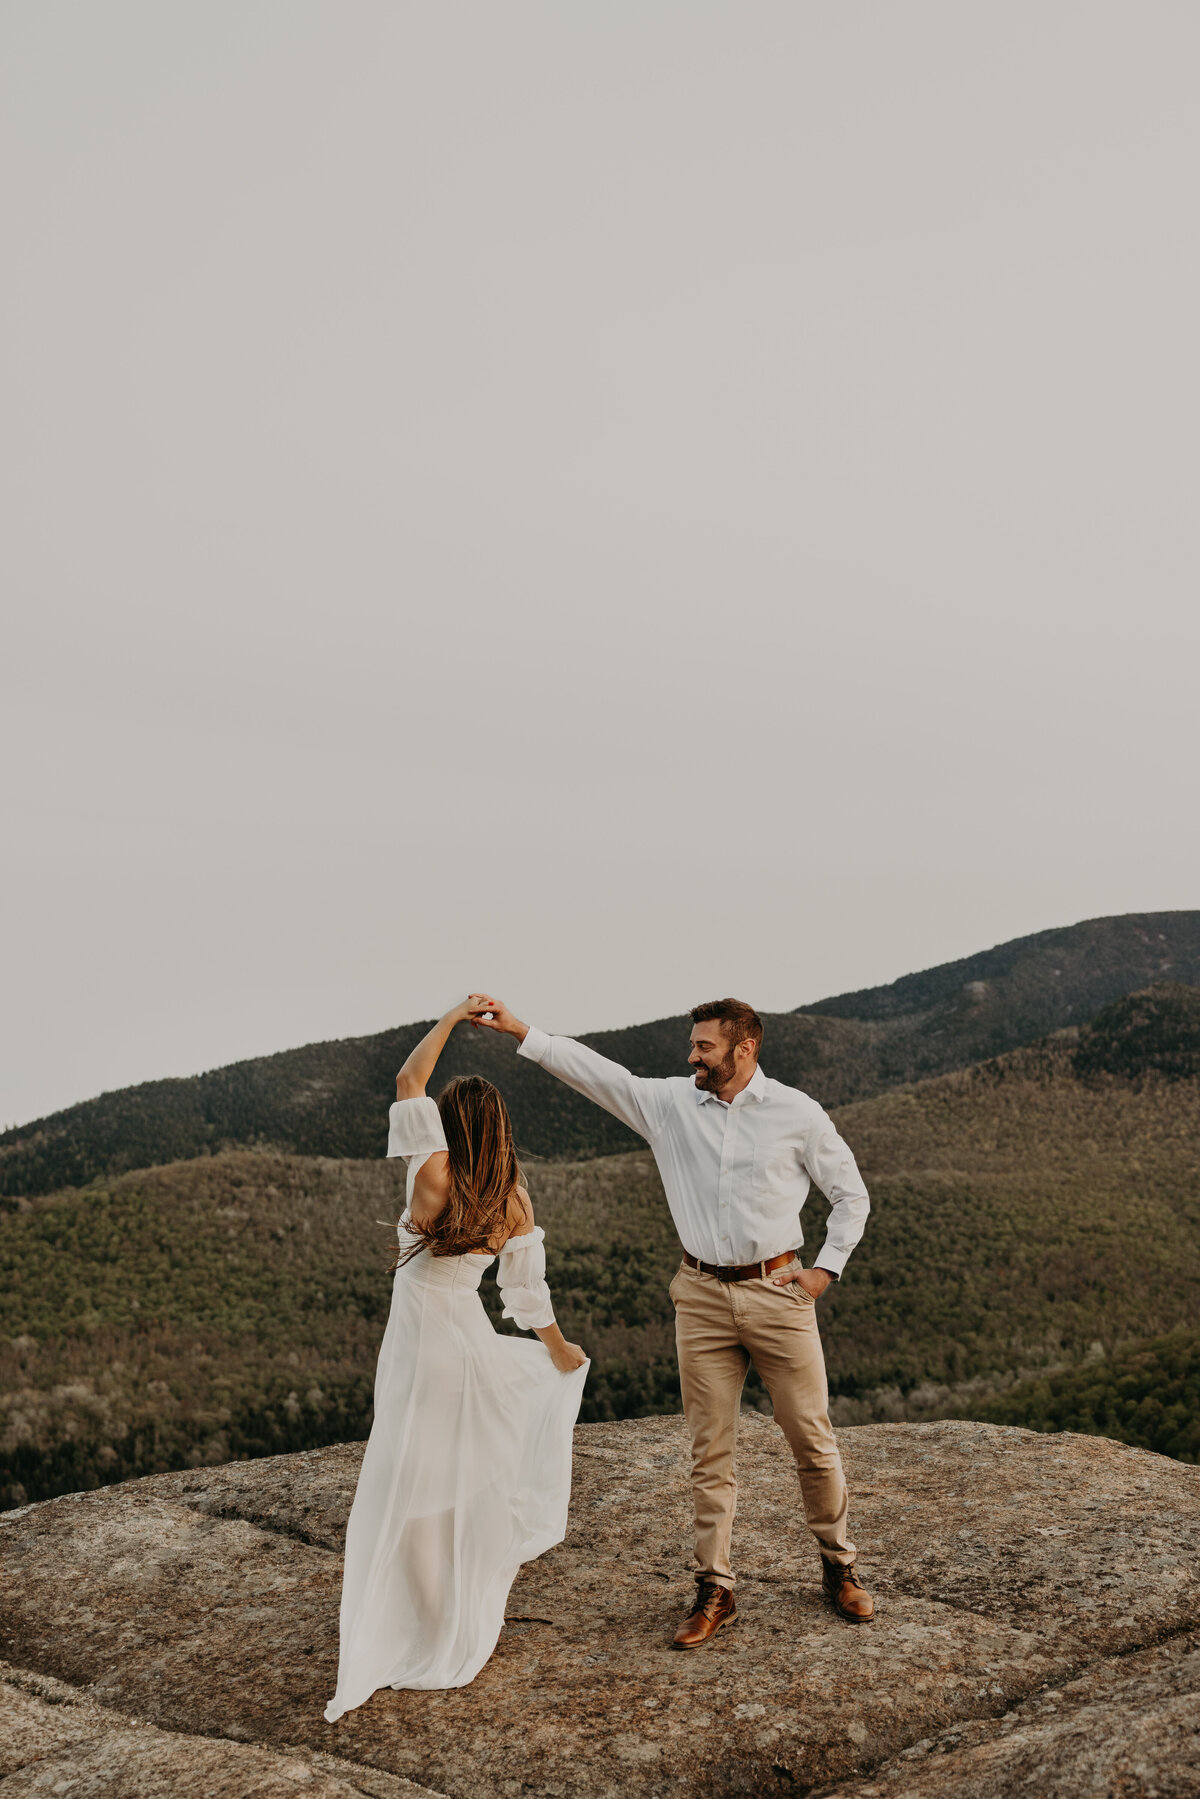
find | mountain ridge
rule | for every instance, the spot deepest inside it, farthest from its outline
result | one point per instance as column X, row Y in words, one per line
column 1018, row 991
column 330, row 1098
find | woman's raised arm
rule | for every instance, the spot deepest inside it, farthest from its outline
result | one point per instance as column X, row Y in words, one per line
column 422, row 1059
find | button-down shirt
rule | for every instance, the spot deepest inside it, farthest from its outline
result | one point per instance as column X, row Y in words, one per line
column 736, row 1174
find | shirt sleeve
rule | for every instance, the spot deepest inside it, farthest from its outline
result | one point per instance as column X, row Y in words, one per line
column 522, row 1279
column 637, row 1102
column 415, row 1128
column 832, row 1167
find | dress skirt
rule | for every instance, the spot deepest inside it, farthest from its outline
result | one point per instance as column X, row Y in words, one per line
column 466, row 1475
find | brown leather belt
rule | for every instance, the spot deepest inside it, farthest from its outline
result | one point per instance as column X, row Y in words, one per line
column 749, row 1271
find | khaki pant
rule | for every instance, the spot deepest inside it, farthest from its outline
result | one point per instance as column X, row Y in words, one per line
column 719, row 1329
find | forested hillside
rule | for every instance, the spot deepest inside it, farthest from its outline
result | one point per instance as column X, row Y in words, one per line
column 330, row 1099
column 1147, row 1395
column 1028, row 1212
column 232, row 1305
column 1038, row 1213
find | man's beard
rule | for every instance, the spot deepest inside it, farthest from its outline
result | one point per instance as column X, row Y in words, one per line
column 709, row 1080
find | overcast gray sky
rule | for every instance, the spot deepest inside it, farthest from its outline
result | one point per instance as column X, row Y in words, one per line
column 612, row 502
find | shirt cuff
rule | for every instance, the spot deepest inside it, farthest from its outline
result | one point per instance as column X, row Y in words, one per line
column 534, row 1044
column 832, row 1260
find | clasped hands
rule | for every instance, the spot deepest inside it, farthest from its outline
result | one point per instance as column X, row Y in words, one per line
column 480, row 1009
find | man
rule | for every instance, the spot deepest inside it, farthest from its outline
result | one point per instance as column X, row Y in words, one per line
column 737, row 1154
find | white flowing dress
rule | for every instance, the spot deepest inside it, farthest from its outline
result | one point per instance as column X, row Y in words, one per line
column 467, row 1472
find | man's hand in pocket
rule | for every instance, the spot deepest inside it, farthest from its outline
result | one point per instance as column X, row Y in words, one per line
column 813, row 1280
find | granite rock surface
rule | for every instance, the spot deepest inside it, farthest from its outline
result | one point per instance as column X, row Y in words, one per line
column 1038, row 1632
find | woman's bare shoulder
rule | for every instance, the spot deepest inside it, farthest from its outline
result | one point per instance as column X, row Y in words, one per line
column 520, row 1214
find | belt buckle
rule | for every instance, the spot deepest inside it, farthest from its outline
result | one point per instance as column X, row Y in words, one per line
column 726, row 1275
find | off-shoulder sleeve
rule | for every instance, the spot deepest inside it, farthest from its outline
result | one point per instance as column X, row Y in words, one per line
column 415, row 1128
column 522, row 1279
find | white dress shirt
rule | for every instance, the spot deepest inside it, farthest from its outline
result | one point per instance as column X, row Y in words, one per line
column 736, row 1175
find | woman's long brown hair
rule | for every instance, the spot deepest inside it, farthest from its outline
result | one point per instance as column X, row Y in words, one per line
column 484, row 1173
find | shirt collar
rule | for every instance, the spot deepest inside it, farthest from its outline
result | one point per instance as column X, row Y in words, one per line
column 755, row 1089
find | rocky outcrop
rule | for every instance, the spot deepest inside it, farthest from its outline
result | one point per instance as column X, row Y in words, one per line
column 1038, row 1632
column 55, row 1739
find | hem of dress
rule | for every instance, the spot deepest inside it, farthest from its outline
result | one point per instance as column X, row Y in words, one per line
column 531, row 1554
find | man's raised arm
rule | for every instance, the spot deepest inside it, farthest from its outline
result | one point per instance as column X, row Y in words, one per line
column 635, row 1101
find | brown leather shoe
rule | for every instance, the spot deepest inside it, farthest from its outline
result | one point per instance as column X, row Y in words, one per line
column 714, row 1606
column 847, row 1595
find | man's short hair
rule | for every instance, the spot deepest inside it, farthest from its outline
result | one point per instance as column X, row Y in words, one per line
column 740, row 1020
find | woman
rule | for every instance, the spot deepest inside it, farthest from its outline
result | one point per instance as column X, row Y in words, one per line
column 467, row 1473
